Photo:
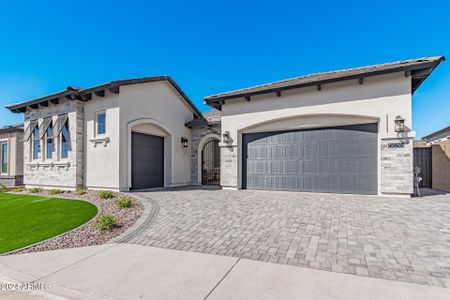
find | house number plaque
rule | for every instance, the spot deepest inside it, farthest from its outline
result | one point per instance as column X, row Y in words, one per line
column 396, row 145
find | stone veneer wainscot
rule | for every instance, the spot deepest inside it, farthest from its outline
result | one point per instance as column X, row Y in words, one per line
column 66, row 173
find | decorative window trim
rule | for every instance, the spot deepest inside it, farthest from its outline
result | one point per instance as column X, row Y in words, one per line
column 58, row 125
column 43, row 128
column 63, row 164
column 29, row 130
column 100, row 140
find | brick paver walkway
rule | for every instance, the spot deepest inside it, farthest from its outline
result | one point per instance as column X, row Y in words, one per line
column 398, row 239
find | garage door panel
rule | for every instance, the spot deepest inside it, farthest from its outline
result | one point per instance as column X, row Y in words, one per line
column 338, row 159
column 147, row 161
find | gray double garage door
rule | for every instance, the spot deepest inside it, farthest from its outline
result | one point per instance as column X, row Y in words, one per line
column 334, row 159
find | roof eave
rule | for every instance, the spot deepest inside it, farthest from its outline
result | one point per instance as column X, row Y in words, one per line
column 430, row 70
column 21, row 107
column 217, row 101
column 12, row 128
column 113, row 86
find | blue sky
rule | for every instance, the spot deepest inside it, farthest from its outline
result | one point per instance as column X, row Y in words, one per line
column 216, row 46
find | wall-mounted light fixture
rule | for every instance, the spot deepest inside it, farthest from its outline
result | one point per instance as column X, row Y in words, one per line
column 399, row 124
column 184, row 142
column 227, row 138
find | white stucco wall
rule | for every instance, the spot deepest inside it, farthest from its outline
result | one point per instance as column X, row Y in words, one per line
column 158, row 104
column 152, row 108
column 102, row 159
column 379, row 99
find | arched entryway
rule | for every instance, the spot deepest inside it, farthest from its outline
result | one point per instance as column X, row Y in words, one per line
column 210, row 163
column 149, row 161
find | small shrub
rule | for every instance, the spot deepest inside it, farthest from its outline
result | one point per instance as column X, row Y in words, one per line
column 35, row 190
column 3, row 189
column 124, row 202
column 55, row 192
column 106, row 194
column 18, row 189
column 106, row 222
column 80, row 192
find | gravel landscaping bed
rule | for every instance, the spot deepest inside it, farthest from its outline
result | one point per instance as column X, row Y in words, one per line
column 88, row 234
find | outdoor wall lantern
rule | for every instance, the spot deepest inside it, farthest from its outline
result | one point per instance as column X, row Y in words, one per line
column 184, row 142
column 227, row 138
column 399, row 124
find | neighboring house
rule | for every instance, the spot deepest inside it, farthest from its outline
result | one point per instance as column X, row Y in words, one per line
column 11, row 155
column 346, row 131
column 438, row 136
column 432, row 156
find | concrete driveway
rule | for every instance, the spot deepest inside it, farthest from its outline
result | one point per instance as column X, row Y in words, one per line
column 390, row 238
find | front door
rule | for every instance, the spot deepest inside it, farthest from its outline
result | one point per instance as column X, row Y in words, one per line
column 211, row 163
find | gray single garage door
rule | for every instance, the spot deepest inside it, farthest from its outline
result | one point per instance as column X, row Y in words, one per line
column 147, row 161
column 334, row 160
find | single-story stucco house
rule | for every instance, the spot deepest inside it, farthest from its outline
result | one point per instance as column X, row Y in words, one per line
column 11, row 155
column 347, row 131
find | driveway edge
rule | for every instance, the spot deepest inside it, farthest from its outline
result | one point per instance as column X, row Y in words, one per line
column 151, row 210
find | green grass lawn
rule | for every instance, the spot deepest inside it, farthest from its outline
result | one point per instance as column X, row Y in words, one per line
column 26, row 219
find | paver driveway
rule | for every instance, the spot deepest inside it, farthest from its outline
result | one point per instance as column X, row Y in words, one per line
column 390, row 238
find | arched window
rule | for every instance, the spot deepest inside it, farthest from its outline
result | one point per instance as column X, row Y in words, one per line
column 49, row 145
column 36, row 143
column 64, row 141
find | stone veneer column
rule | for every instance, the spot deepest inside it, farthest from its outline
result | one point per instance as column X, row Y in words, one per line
column 79, row 141
column 229, row 166
column 396, row 166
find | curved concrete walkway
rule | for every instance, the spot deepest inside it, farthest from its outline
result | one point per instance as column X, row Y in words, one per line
column 389, row 238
